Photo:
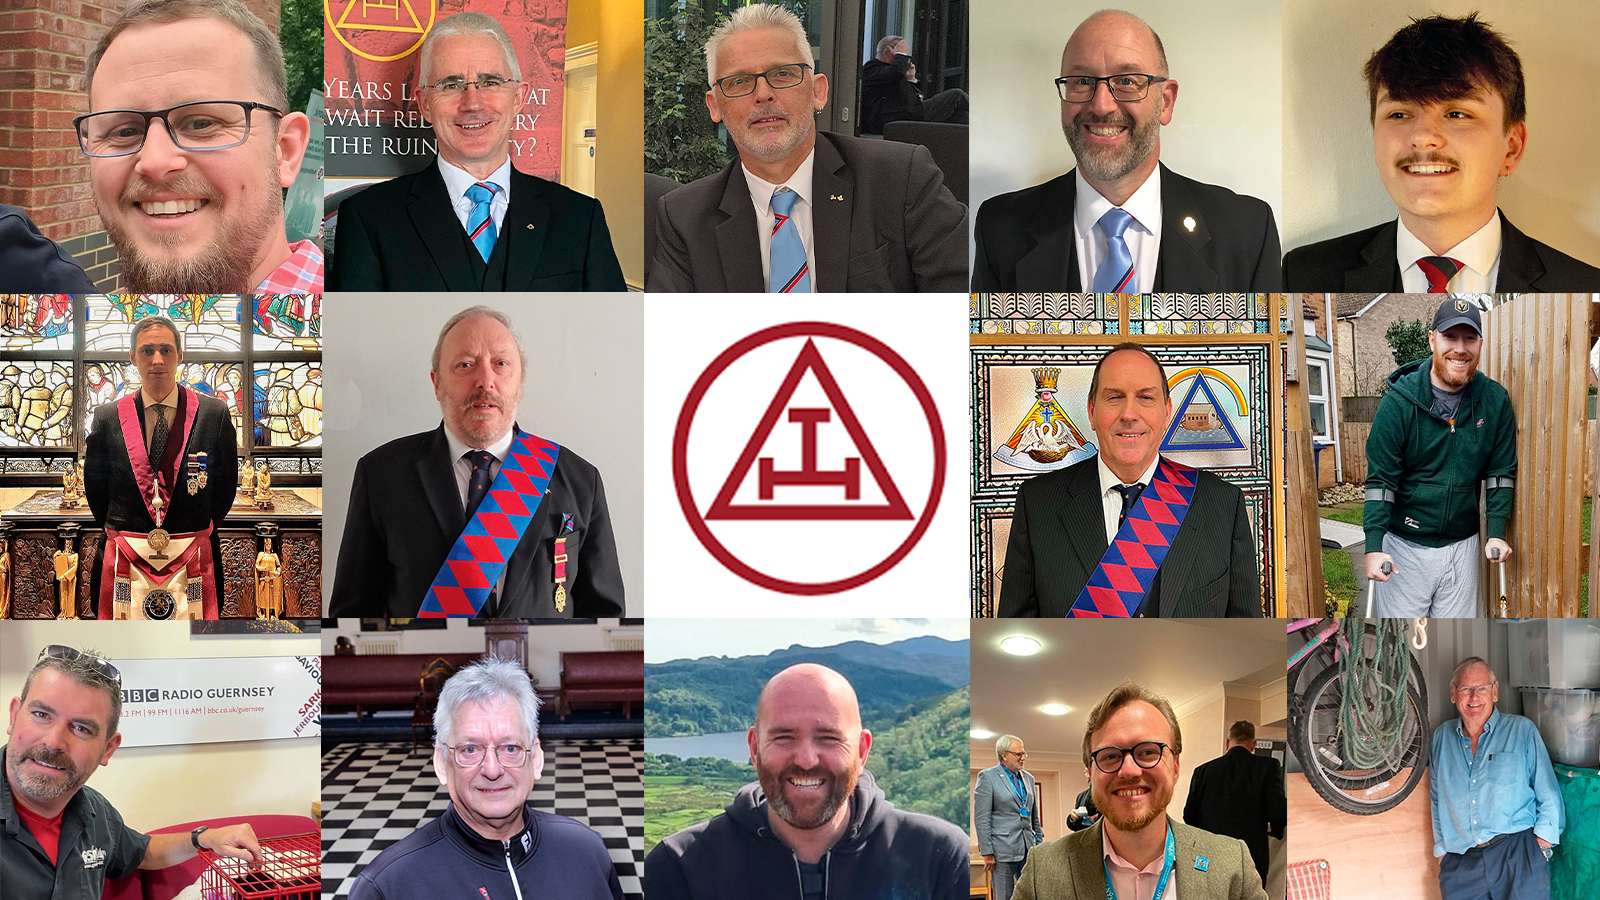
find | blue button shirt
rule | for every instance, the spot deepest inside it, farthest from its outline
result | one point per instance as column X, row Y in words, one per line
column 1507, row 788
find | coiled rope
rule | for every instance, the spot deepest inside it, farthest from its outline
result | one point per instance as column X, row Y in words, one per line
column 1372, row 708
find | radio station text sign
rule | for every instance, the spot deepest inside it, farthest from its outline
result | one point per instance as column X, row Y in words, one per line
column 215, row 700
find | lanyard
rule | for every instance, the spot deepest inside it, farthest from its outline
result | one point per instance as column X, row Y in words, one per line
column 1020, row 789
column 1166, row 871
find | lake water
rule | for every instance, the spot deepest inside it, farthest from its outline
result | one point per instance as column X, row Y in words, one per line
column 726, row 745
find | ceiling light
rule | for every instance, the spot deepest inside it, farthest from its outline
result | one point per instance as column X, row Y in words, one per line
column 981, row 734
column 1055, row 709
column 1020, row 645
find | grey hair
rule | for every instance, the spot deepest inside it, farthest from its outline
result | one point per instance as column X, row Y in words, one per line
column 750, row 18
column 87, row 674
column 269, row 54
column 468, row 23
column 151, row 322
column 486, row 681
column 476, row 312
column 1003, row 744
column 1469, row 662
column 885, row 42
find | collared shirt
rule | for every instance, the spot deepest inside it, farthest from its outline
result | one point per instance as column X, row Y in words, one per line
column 168, row 407
column 301, row 273
column 1509, row 786
column 1143, row 236
column 95, row 845
column 800, row 216
column 1132, row 882
column 1111, row 500
column 457, row 180
column 463, row 472
column 1479, row 256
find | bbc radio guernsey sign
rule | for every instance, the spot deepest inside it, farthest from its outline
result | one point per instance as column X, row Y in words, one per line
column 371, row 79
column 208, row 701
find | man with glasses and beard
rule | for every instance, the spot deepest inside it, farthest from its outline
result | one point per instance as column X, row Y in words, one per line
column 815, row 825
column 490, row 841
column 1130, row 753
column 58, row 838
column 1442, row 428
column 1122, row 222
column 196, row 204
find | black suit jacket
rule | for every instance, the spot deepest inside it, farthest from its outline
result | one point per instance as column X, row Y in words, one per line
column 1058, row 539
column 406, row 513
column 113, row 494
column 31, row 263
column 403, row 235
column 1025, row 239
column 1364, row 262
column 882, row 221
column 1239, row 795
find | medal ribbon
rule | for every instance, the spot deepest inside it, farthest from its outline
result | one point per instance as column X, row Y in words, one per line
column 1166, row 870
column 144, row 473
column 478, row 559
column 1123, row 577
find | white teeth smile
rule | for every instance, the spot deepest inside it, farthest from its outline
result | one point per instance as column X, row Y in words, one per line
column 1132, row 792
column 474, row 126
column 807, row 782
column 1429, row 170
column 1106, row 130
column 171, row 207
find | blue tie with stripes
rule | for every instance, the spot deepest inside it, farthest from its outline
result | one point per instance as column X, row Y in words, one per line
column 1115, row 275
column 480, row 221
column 788, row 272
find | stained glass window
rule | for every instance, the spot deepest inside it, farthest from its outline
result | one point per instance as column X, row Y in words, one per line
column 36, row 404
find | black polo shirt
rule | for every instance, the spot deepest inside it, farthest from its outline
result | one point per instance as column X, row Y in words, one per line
column 95, row 845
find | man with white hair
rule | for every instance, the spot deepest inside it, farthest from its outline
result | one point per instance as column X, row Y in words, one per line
column 490, row 842
column 1005, row 813
column 470, row 221
column 477, row 517
column 799, row 211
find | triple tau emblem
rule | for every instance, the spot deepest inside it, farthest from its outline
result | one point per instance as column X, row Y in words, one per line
column 358, row 19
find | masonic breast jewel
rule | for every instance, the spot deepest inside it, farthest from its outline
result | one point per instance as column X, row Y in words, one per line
column 197, row 473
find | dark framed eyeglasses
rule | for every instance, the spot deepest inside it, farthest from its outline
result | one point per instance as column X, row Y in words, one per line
column 457, row 87
column 204, row 125
column 467, row 756
column 1127, row 87
column 1019, row 754
column 778, row 77
column 73, row 654
column 1146, row 755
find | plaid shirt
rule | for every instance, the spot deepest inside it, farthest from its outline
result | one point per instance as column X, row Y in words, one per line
column 301, row 273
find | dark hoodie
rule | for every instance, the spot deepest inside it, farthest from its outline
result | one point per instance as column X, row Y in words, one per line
column 1423, row 471
column 553, row 856
column 884, row 854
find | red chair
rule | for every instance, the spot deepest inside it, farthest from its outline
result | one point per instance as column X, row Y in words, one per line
column 164, row 884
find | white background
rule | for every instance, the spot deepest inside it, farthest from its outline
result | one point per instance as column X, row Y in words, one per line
column 209, row 720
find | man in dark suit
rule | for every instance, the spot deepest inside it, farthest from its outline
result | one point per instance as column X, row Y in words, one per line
column 31, row 263
column 470, row 221
column 1448, row 107
column 1240, row 794
column 414, row 498
column 168, row 440
column 795, row 214
column 1065, row 520
column 1121, row 222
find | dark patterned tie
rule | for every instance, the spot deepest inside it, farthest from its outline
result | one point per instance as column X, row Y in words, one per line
column 478, row 487
column 1130, row 495
column 1439, row 270
column 158, row 437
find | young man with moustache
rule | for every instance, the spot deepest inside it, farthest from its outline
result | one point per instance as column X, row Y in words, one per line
column 1005, row 814
column 802, row 211
column 1448, row 108
column 470, row 221
column 196, row 205
column 1121, row 222
column 160, row 468
column 1441, row 429
column 815, row 825
column 60, row 840
column 490, row 842
column 477, row 517
column 1131, row 748
column 1128, row 532
column 1497, row 809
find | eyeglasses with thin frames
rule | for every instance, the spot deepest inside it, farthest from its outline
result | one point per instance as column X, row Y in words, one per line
column 778, row 78
column 199, row 126
column 467, row 756
column 1471, row 689
column 1146, row 755
column 73, row 654
column 1128, row 87
column 457, row 87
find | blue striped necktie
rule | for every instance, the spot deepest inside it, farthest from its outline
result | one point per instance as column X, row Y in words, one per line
column 1115, row 275
column 788, row 272
column 480, row 221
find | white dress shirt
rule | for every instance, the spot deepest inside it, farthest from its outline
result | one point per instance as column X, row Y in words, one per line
column 800, row 216
column 463, row 471
column 456, row 182
column 1479, row 256
column 1111, row 499
column 1143, row 235
column 168, row 407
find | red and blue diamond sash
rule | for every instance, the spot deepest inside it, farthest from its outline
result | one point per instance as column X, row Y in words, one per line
column 480, row 554
column 1123, row 578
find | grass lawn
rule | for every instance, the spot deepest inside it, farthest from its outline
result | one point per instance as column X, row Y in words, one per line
column 1349, row 513
column 674, row 802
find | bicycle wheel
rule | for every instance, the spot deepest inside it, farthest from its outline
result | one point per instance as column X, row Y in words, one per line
column 1322, row 745
column 1322, row 658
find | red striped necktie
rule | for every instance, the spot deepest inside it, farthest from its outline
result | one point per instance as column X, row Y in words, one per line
column 1439, row 270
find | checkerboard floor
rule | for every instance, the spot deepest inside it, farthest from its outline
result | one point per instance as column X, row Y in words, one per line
column 375, row 794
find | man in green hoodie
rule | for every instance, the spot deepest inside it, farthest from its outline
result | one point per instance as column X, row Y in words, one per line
column 1442, row 428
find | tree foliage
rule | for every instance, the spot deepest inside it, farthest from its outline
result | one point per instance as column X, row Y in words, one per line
column 300, row 35
column 680, row 140
column 1407, row 340
column 921, row 761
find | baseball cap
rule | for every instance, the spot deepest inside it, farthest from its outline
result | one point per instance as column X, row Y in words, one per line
column 1457, row 311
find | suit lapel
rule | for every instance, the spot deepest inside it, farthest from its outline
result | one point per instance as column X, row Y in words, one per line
column 830, row 218
column 435, row 219
column 1382, row 271
column 1183, row 554
column 1520, row 267
column 1082, row 504
column 525, row 226
column 1183, row 235
column 1054, row 257
column 1089, row 865
column 737, row 241
column 1191, row 882
column 438, row 478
